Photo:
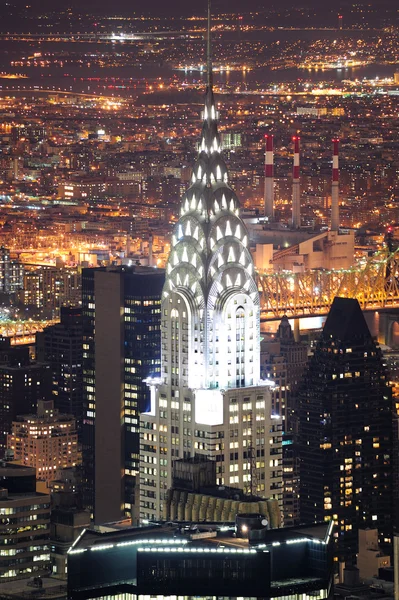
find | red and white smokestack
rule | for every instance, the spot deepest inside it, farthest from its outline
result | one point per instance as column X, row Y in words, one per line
column 335, row 188
column 269, row 178
column 296, row 189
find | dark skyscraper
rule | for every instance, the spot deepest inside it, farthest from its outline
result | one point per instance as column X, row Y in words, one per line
column 22, row 384
column 346, row 431
column 121, row 348
column 61, row 346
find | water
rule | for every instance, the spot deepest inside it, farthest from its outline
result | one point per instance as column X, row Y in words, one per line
column 130, row 79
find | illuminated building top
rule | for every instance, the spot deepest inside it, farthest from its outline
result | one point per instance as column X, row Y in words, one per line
column 210, row 301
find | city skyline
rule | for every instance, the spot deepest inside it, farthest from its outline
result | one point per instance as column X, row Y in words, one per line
column 200, row 272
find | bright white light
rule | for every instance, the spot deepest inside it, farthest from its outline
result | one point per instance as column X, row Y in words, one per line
column 208, row 407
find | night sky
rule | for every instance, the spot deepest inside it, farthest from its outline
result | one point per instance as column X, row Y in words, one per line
column 183, row 7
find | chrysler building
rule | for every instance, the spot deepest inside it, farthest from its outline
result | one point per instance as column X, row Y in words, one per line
column 210, row 399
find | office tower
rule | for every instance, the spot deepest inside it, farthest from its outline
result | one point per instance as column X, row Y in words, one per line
column 121, row 348
column 210, row 398
column 24, row 524
column 22, row 385
column 210, row 561
column 46, row 441
column 60, row 345
column 346, row 425
column 283, row 360
column 11, row 273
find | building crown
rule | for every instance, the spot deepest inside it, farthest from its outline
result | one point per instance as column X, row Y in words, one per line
column 210, row 267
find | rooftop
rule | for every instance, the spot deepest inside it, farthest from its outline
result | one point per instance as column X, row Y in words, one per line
column 199, row 535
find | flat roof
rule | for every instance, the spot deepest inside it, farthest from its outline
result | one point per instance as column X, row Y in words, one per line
column 200, row 534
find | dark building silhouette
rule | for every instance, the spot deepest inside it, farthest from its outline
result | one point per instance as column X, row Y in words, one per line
column 22, row 384
column 61, row 346
column 121, row 348
column 24, row 524
column 283, row 360
column 346, row 432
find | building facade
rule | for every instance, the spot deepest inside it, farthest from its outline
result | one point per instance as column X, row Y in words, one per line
column 121, row 348
column 209, row 398
column 47, row 441
column 22, row 384
column 346, row 432
column 205, row 562
column 283, row 360
column 60, row 345
column 11, row 273
column 24, row 524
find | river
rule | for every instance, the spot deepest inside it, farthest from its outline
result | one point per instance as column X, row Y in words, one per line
column 127, row 80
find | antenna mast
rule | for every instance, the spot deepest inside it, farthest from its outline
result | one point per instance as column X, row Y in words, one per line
column 209, row 48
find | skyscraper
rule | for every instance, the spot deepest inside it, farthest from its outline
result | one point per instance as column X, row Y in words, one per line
column 61, row 346
column 283, row 360
column 346, row 425
column 22, row 384
column 209, row 398
column 121, row 347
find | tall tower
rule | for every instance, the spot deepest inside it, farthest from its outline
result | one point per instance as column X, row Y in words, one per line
column 210, row 288
column 210, row 361
column 345, row 431
column 121, row 318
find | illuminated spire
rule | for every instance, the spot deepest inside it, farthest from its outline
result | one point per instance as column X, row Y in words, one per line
column 210, row 293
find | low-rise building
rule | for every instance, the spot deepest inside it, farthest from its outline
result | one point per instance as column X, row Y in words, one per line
column 46, row 441
column 246, row 560
column 24, row 524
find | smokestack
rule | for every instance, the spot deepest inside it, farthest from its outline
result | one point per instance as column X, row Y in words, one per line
column 296, row 189
column 269, row 178
column 335, row 188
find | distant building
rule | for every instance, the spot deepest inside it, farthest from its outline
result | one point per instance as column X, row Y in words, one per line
column 24, row 524
column 11, row 273
column 60, row 345
column 248, row 561
column 22, row 385
column 346, row 432
column 396, row 77
column 121, row 348
column 46, row 441
column 51, row 287
column 283, row 360
column 88, row 187
column 231, row 140
column 317, row 112
column 328, row 250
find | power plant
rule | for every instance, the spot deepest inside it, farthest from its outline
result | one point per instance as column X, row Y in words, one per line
column 282, row 246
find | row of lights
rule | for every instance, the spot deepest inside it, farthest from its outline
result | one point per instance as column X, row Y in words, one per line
column 200, row 550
